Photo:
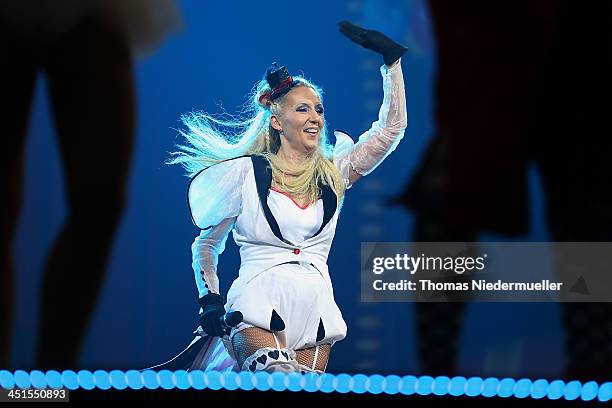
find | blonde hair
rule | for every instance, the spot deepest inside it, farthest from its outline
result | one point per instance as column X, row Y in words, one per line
column 210, row 140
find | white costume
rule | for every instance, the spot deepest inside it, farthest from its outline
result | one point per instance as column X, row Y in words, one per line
column 283, row 278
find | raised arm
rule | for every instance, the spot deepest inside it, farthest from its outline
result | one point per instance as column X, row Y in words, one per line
column 355, row 161
column 383, row 136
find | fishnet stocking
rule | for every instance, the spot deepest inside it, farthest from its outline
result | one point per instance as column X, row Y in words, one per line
column 248, row 341
column 314, row 359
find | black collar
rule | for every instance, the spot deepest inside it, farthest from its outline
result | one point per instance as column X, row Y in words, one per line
column 263, row 179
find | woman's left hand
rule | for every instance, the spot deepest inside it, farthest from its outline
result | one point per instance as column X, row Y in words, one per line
column 373, row 40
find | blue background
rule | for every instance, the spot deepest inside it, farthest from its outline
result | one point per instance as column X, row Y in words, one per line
column 148, row 308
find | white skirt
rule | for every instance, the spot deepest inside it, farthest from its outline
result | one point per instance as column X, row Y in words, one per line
column 299, row 295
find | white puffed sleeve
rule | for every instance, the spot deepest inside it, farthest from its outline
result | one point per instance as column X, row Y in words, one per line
column 383, row 137
column 205, row 252
column 215, row 193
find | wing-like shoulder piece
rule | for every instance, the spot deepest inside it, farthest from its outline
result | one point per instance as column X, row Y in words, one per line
column 344, row 145
column 215, row 193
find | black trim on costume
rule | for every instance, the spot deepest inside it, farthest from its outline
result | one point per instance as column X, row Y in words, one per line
column 189, row 187
column 263, row 180
column 276, row 323
column 320, row 331
column 330, row 201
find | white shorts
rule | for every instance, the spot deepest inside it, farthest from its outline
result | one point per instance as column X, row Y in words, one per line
column 299, row 296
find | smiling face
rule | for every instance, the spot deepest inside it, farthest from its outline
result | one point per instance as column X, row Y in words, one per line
column 300, row 120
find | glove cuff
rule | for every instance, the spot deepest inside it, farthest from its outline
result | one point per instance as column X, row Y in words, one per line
column 210, row 299
column 393, row 54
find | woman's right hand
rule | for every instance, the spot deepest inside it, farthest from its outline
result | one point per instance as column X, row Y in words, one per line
column 213, row 312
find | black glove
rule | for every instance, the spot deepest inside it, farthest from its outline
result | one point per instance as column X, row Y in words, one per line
column 210, row 319
column 373, row 40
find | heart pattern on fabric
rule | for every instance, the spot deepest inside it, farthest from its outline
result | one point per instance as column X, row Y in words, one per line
column 265, row 358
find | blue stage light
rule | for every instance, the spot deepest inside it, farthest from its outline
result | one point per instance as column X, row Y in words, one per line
column 22, row 379
column 556, row 389
column 457, row 386
column 118, row 380
column 294, row 382
column 149, row 379
column 408, row 385
column 262, row 381
column 359, row 385
column 589, row 391
column 230, row 381
column 522, row 388
column 133, row 379
column 86, row 380
column 376, row 384
column 213, row 379
column 424, row 385
column 490, row 387
column 343, row 383
column 277, row 381
column 506, row 387
column 539, row 388
column 311, row 382
column 70, row 379
column 196, row 379
column 246, row 380
column 101, row 379
column 605, row 392
column 473, row 386
column 38, row 379
column 181, row 379
column 54, row 379
column 7, row 380
column 572, row 390
column 392, row 384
